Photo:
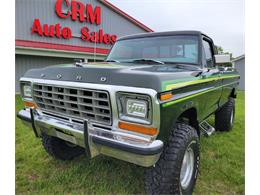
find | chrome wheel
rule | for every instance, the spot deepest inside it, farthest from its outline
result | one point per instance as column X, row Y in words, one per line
column 232, row 118
column 187, row 168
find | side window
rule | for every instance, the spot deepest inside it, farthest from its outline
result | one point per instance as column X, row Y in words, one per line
column 208, row 53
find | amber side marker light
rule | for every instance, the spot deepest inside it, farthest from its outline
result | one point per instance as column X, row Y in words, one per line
column 166, row 96
column 30, row 104
column 137, row 128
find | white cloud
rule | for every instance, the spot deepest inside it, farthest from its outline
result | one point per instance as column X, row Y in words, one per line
column 223, row 20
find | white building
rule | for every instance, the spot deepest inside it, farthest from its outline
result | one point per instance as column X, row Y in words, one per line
column 239, row 64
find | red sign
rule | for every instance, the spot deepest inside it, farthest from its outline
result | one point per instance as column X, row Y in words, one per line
column 77, row 11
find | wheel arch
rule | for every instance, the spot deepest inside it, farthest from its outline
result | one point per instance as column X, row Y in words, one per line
column 190, row 116
column 233, row 93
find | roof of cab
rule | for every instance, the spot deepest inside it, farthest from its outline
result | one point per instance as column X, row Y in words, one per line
column 168, row 33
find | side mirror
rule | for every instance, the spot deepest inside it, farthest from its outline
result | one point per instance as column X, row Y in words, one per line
column 222, row 58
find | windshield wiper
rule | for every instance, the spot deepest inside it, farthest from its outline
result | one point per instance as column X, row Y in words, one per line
column 181, row 65
column 143, row 60
column 112, row 61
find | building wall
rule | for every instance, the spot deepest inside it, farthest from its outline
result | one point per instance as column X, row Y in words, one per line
column 28, row 10
column 26, row 62
column 240, row 66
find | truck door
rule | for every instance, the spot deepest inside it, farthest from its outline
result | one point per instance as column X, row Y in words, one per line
column 211, row 76
column 228, row 83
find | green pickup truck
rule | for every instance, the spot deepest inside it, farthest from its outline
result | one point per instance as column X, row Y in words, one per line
column 146, row 104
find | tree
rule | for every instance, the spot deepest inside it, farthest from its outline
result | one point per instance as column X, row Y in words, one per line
column 219, row 49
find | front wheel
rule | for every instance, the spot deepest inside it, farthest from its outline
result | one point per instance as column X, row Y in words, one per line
column 60, row 149
column 176, row 170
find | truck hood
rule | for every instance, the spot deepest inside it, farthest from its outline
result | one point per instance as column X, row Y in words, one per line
column 133, row 75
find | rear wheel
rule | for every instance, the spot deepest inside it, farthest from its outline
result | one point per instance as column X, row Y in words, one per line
column 224, row 118
column 60, row 149
column 176, row 170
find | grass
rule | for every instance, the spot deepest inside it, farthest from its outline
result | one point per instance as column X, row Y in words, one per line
column 221, row 169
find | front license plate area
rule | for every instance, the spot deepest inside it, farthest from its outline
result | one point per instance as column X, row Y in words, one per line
column 66, row 137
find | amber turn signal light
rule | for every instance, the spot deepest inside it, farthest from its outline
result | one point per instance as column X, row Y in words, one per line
column 137, row 128
column 30, row 104
column 166, row 96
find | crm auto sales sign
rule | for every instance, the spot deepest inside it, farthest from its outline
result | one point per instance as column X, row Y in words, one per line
column 76, row 11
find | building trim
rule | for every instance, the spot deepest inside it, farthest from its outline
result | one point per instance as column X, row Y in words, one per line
column 55, row 46
column 122, row 13
column 238, row 58
column 56, row 53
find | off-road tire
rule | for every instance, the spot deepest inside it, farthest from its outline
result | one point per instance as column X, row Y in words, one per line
column 164, row 177
column 60, row 149
column 224, row 117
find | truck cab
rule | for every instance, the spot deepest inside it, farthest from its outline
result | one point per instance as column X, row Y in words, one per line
column 146, row 104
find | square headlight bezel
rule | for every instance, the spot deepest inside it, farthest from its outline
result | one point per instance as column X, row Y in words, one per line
column 26, row 83
column 122, row 98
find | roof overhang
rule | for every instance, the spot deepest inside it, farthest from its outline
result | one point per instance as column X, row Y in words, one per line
column 238, row 58
column 58, row 50
column 128, row 17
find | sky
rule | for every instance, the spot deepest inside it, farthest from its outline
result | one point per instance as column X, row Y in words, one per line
column 222, row 20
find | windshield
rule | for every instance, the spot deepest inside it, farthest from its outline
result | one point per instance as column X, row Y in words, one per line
column 172, row 49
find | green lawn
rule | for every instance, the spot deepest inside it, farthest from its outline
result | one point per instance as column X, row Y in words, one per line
column 221, row 170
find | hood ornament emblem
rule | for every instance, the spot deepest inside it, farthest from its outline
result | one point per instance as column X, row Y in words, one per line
column 78, row 62
column 103, row 79
column 78, row 78
column 58, row 76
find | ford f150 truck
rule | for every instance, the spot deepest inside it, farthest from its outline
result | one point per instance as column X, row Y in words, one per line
column 146, row 104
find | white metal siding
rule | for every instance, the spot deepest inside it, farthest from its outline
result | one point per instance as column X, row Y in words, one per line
column 240, row 66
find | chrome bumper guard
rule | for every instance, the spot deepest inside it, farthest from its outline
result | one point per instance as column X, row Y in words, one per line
column 95, row 140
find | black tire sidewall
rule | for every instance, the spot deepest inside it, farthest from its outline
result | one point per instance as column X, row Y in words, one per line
column 164, row 177
column 60, row 149
column 223, row 116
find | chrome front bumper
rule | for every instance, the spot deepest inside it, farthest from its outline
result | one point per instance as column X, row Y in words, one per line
column 96, row 140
